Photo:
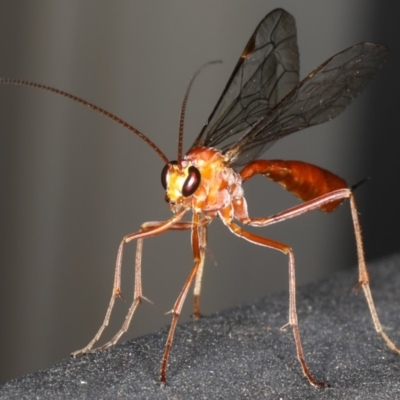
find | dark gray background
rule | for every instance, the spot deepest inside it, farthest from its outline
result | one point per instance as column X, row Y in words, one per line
column 73, row 183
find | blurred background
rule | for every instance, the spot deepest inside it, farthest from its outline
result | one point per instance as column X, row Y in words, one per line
column 74, row 183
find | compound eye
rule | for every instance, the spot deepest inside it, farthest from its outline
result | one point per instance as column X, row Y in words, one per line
column 164, row 173
column 192, row 182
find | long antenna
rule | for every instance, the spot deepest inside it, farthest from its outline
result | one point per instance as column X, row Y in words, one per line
column 22, row 82
column 184, row 103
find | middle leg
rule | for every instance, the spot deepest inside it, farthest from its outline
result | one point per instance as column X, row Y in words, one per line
column 293, row 321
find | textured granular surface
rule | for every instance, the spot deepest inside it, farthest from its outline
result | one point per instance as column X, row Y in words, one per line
column 241, row 353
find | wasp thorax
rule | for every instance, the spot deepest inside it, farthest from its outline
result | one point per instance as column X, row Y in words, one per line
column 179, row 180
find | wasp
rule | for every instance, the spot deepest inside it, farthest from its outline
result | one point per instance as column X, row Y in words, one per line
column 262, row 102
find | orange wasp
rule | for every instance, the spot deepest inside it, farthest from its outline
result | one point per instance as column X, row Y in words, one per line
column 262, row 102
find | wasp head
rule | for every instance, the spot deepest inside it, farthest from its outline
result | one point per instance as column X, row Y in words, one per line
column 179, row 181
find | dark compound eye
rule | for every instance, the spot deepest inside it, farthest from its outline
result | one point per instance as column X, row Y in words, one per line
column 192, row 182
column 164, row 173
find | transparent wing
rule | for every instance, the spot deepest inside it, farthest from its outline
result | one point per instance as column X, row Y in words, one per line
column 320, row 97
column 265, row 73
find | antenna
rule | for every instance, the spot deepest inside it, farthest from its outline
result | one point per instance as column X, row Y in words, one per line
column 184, row 103
column 22, row 82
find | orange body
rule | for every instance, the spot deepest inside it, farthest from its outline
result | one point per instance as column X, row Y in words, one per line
column 306, row 181
column 220, row 190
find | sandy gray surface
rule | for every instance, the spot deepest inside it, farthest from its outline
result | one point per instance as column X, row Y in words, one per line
column 242, row 354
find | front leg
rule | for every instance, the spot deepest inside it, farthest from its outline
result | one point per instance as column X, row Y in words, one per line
column 202, row 234
column 147, row 230
column 198, row 254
